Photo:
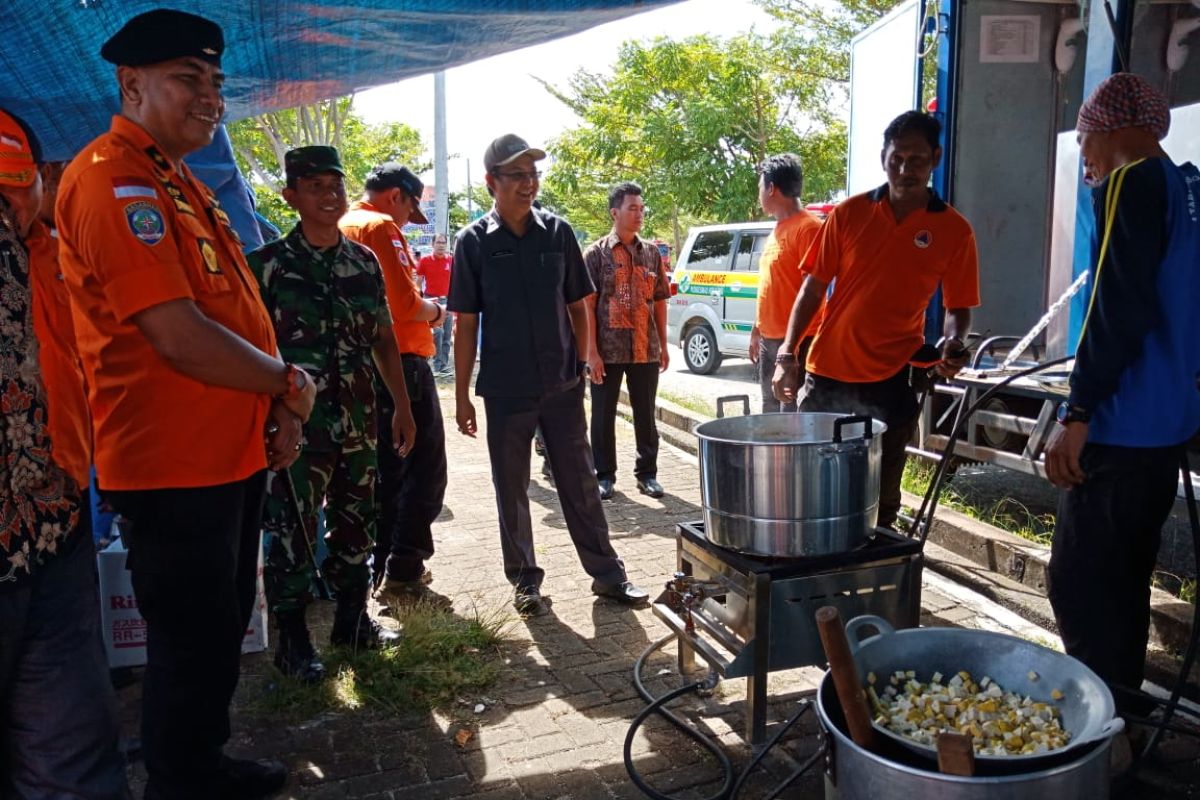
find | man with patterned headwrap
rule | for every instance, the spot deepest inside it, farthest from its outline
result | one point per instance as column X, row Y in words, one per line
column 1134, row 399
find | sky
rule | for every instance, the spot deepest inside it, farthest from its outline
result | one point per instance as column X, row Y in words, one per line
column 536, row 115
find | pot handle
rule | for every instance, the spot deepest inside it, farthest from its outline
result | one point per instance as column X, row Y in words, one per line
column 733, row 398
column 839, row 423
column 1109, row 729
column 881, row 625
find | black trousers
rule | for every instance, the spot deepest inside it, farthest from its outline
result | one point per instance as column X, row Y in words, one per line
column 892, row 401
column 1106, row 539
column 510, row 425
column 193, row 555
column 411, row 489
column 642, row 380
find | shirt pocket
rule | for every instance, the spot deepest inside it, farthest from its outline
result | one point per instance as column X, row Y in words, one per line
column 550, row 271
column 210, row 275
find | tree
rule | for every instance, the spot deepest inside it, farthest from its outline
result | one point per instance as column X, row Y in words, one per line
column 261, row 142
column 690, row 120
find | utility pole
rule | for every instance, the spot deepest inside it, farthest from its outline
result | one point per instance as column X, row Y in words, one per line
column 441, row 172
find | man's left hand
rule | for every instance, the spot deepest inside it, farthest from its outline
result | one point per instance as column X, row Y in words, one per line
column 283, row 436
column 1062, row 454
column 404, row 431
column 664, row 359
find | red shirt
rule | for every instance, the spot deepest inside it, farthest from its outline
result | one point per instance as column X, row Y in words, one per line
column 435, row 270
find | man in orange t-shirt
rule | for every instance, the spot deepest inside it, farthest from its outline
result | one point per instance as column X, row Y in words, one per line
column 780, row 183
column 411, row 488
column 190, row 402
column 889, row 250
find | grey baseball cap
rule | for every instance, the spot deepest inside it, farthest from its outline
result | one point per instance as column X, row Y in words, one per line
column 509, row 148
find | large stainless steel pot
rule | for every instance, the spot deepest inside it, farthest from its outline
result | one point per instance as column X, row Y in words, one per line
column 1088, row 711
column 791, row 484
column 853, row 773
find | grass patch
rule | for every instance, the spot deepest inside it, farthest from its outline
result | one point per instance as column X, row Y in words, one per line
column 1183, row 588
column 1006, row 514
column 441, row 657
column 692, row 402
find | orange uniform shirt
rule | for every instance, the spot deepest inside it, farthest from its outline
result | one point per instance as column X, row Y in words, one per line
column 366, row 225
column 886, row 274
column 780, row 274
column 69, row 422
column 135, row 232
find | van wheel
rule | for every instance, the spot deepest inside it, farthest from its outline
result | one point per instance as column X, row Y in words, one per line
column 700, row 350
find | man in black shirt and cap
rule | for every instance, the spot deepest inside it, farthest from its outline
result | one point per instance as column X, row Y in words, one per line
column 521, row 268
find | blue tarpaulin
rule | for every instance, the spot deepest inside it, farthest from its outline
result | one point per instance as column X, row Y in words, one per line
column 279, row 53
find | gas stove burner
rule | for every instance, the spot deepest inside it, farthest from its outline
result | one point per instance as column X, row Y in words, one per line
column 747, row 615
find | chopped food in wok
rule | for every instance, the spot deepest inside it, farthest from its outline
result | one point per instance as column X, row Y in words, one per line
column 999, row 723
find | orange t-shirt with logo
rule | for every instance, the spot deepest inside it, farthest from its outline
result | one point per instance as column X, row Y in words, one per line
column 780, row 274
column 69, row 422
column 135, row 231
column 886, row 274
column 368, row 226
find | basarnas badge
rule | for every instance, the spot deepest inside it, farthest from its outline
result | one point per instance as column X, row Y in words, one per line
column 145, row 221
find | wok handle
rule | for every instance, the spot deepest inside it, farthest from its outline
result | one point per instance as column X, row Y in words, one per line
column 956, row 754
column 880, row 624
column 841, row 422
column 733, row 398
column 845, row 677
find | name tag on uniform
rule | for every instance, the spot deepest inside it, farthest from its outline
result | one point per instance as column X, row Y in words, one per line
column 503, row 253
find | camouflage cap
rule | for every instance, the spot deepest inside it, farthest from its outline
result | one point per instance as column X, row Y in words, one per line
column 312, row 160
column 162, row 35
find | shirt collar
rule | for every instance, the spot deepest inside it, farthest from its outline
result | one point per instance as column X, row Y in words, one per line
column 612, row 240
column 936, row 204
column 298, row 244
column 494, row 222
column 365, row 205
column 141, row 139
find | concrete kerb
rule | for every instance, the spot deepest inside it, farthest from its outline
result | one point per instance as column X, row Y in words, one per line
column 986, row 557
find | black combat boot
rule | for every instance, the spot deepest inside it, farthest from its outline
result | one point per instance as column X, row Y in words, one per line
column 294, row 654
column 353, row 627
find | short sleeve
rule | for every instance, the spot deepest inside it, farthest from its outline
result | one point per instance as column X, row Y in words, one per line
column 662, row 287
column 578, row 283
column 960, row 284
column 824, row 258
column 120, row 226
column 592, row 260
column 386, row 242
column 464, row 278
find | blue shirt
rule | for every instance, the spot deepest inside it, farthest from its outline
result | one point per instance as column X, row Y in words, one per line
column 1138, row 363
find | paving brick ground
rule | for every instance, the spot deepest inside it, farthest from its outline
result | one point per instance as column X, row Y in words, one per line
column 556, row 722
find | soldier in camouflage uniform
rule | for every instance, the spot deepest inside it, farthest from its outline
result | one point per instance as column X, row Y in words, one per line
column 326, row 296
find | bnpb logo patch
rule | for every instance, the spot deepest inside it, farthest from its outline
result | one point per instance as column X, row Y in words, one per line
column 923, row 239
column 146, row 222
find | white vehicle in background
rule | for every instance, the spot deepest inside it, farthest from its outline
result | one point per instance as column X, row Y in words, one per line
column 714, row 293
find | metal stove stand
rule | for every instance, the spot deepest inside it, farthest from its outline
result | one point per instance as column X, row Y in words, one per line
column 749, row 615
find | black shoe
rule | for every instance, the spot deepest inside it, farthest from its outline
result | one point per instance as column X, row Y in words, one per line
column 353, row 627
column 624, row 592
column 294, row 653
column 606, row 489
column 528, row 602
column 650, row 487
column 242, row 779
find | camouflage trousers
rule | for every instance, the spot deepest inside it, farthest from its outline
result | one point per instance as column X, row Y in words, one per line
column 344, row 482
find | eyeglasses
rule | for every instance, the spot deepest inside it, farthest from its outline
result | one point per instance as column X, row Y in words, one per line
column 520, row 177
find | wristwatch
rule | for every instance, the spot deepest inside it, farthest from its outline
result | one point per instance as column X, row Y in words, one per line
column 296, row 381
column 1068, row 413
column 785, row 358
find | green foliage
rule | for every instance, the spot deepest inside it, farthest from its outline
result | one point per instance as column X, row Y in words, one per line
column 1007, row 514
column 261, row 142
column 690, row 120
column 440, row 658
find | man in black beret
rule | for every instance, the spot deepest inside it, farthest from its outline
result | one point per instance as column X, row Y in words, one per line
column 190, row 400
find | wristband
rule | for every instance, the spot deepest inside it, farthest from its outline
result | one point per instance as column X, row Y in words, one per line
column 785, row 358
column 296, row 381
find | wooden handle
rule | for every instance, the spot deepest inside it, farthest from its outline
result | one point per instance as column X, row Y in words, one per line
column 845, row 677
column 956, row 754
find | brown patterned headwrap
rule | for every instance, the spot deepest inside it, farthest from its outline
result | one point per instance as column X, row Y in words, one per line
column 1125, row 100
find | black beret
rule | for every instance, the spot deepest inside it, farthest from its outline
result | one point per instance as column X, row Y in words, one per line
column 162, row 35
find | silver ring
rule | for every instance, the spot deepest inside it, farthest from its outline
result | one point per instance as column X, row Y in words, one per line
column 297, row 448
